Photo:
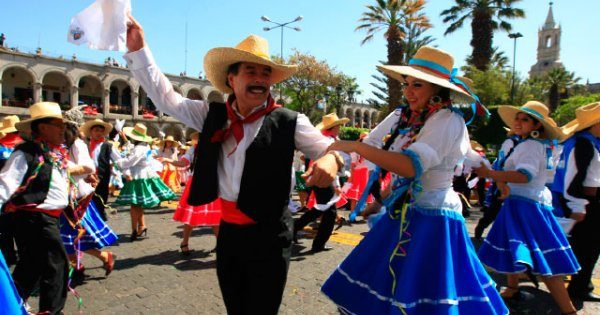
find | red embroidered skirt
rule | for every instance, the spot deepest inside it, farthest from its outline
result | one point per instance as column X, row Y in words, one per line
column 206, row 215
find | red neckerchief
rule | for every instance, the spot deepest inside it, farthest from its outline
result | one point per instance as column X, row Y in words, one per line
column 236, row 127
column 11, row 140
column 93, row 145
column 328, row 133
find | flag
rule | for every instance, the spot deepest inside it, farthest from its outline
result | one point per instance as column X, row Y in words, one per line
column 102, row 25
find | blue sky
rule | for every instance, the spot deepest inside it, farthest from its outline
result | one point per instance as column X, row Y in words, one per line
column 327, row 32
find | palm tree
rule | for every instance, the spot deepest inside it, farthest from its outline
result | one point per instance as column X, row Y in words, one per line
column 392, row 17
column 486, row 16
column 558, row 81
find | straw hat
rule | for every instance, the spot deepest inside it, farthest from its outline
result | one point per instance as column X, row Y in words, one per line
column 331, row 120
column 39, row 111
column 96, row 122
column 176, row 144
column 432, row 65
column 253, row 49
column 537, row 110
column 8, row 124
column 139, row 132
column 477, row 146
column 585, row 117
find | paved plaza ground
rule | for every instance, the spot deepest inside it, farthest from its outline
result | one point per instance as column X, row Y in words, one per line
column 152, row 277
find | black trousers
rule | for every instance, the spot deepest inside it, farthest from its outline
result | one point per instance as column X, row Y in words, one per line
column 42, row 258
column 252, row 265
column 489, row 215
column 585, row 241
column 101, row 197
column 325, row 227
column 7, row 239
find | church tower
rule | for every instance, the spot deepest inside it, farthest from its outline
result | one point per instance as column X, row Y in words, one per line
column 548, row 51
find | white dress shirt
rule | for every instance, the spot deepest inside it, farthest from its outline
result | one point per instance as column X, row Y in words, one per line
column 13, row 173
column 192, row 113
column 592, row 179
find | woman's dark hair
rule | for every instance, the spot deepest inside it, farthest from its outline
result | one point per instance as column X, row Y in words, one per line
column 71, row 134
column 444, row 94
column 541, row 129
column 232, row 69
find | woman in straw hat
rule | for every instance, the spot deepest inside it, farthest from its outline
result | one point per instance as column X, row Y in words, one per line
column 145, row 189
column 384, row 273
column 575, row 194
column 167, row 149
column 192, row 216
column 97, row 234
column 525, row 236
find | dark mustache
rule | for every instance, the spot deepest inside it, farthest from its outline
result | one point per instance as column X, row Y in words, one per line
column 251, row 87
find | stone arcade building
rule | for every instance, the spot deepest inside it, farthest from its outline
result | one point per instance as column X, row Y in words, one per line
column 108, row 91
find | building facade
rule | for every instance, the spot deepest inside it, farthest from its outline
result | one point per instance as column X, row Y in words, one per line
column 106, row 91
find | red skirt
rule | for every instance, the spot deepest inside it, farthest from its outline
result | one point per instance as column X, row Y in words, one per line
column 312, row 201
column 206, row 215
column 360, row 178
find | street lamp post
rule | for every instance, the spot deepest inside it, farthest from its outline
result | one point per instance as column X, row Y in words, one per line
column 282, row 26
column 514, row 36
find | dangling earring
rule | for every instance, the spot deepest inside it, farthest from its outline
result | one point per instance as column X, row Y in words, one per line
column 435, row 100
column 535, row 134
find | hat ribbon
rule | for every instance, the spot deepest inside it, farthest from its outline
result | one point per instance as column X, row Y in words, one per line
column 533, row 112
column 477, row 107
column 137, row 133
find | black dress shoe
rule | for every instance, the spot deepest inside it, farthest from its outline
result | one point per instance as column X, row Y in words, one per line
column 321, row 249
column 585, row 296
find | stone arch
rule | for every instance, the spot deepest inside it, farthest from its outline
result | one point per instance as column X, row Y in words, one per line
column 90, row 91
column 146, row 107
column 373, row 119
column 357, row 118
column 194, row 94
column 152, row 130
column 366, row 120
column 188, row 133
column 174, row 130
column 56, row 87
column 348, row 113
column 119, row 97
column 60, row 71
column 17, row 86
column 211, row 94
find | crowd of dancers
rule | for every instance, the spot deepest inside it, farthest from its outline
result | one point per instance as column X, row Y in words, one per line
column 58, row 171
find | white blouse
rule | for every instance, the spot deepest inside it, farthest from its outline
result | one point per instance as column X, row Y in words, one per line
column 81, row 156
column 440, row 145
column 138, row 163
column 529, row 157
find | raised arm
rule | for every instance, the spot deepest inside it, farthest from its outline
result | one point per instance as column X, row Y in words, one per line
column 160, row 90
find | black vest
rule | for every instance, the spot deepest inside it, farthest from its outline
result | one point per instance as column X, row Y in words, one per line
column 36, row 191
column 266, row 179
column 104, row 168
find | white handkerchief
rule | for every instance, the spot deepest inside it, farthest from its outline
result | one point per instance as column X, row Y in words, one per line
column 102, row 25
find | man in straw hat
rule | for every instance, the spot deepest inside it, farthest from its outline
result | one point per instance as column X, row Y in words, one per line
column 576, row 194
column 326, row 198
column 10, row 138
column 104, row 154
column 34, row 185
column 245, row 158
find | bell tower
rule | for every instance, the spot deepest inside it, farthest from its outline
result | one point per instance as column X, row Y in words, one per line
column 548, row 51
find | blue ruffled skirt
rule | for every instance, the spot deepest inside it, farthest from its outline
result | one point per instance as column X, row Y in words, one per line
column 10, row 301
column 527, row 235
column 97, row 233
column 432, row 269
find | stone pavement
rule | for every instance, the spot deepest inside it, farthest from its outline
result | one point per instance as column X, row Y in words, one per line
column 151, row 276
